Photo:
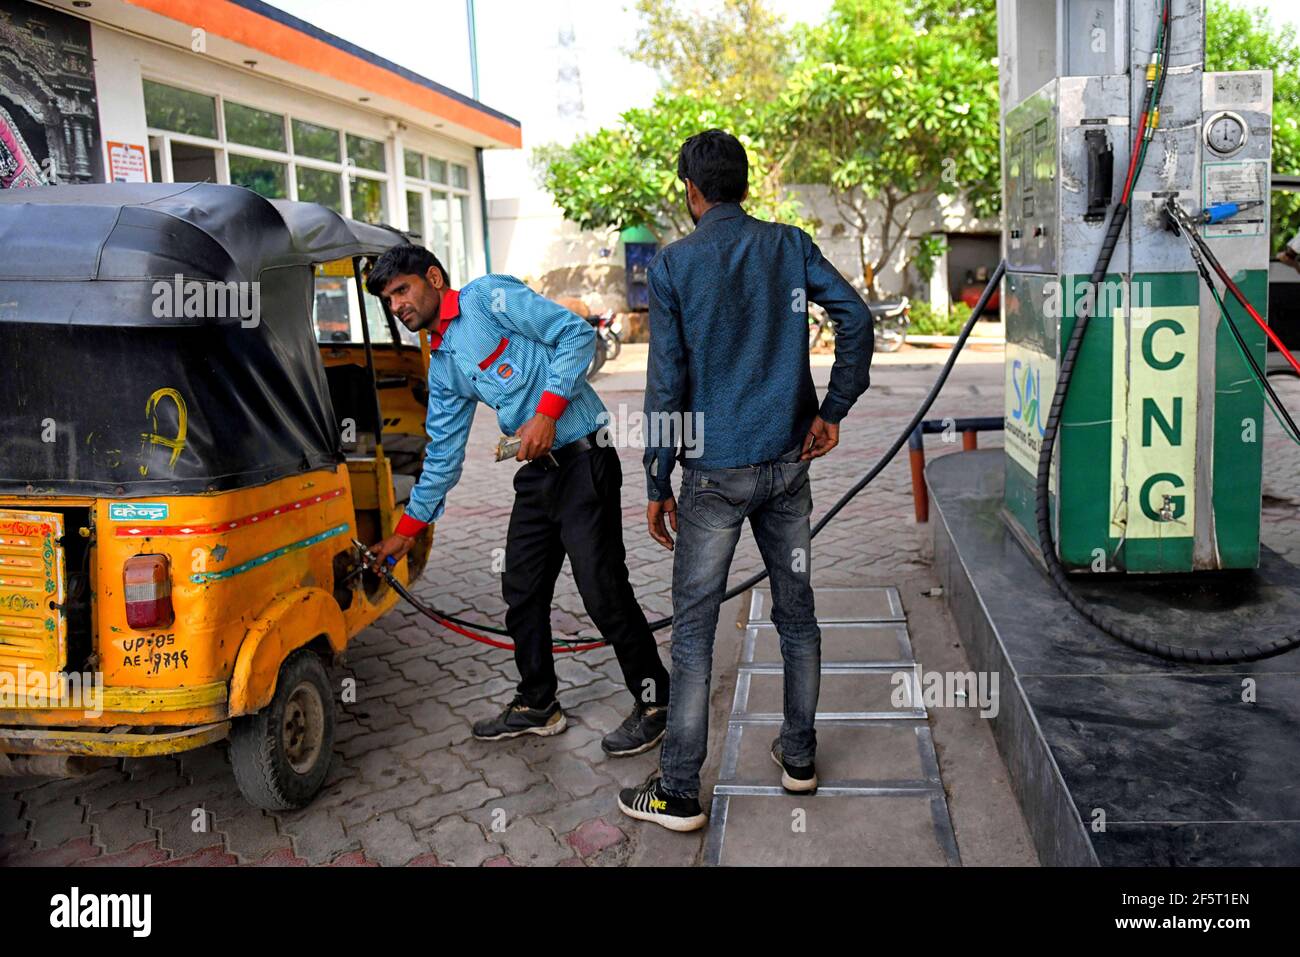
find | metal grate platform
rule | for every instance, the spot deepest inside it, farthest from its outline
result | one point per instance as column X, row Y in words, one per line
column 880, row 799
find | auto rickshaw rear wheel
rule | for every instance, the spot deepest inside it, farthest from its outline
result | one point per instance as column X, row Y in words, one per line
column 282, row 753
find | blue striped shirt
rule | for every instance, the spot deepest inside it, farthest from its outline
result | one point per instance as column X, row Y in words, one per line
column 514, row 350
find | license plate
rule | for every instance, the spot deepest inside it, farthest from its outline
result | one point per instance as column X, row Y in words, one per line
column 33, row 628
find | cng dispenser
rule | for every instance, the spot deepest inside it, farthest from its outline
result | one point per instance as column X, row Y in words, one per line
column 1157, row 462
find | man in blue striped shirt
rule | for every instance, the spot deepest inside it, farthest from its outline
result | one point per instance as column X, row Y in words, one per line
column 498, row 342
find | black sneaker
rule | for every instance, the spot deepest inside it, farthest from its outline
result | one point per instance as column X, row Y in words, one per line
column 640, row 731
column 519, row 719
column 795, row 779
column 650, row 802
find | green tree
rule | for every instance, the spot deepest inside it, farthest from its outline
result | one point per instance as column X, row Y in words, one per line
column 740, row 53
column 626, row 175
column 895, row 102
column 1241, row 39
column 975, row 20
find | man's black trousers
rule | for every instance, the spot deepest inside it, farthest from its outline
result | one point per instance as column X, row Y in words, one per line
column 575, row 510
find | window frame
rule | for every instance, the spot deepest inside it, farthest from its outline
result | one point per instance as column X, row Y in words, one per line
column 460, row 245
column 223, row 147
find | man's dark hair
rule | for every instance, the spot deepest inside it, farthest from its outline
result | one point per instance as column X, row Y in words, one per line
column 716, row 163
column 406, row 259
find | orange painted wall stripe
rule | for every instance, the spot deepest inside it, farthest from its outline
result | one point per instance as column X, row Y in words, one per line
column 253, row 30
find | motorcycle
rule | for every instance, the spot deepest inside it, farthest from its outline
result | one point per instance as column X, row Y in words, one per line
column 609, row 330
column 890, row 319
column 600, row 354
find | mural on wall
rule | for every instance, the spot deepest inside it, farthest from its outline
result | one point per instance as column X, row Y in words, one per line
column 49, row 119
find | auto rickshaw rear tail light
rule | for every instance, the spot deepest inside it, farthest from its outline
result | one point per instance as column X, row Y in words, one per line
column 147, row 584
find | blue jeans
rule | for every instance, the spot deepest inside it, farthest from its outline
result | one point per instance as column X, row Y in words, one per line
column 713, row 505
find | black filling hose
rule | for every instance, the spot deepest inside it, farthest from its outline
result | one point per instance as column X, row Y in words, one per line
column 978, row 310
column 1046, row 541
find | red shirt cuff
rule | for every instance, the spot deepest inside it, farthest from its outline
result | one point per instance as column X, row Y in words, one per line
column 552, row 405
column 410, row 527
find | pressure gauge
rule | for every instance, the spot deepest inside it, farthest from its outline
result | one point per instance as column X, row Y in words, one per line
column 1225, row 133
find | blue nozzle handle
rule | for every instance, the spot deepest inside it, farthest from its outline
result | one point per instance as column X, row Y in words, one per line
column 1221, row 211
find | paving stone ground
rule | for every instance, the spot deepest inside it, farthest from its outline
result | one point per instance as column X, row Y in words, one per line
column 408, row 786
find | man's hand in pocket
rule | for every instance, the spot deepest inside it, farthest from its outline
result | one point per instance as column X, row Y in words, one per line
column 821, row 438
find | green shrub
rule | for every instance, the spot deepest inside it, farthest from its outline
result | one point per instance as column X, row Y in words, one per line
column 928, row 321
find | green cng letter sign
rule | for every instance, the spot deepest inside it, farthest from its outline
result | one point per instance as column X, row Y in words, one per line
column 1154, row 451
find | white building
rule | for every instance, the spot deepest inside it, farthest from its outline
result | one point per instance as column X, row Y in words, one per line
column 237, row 91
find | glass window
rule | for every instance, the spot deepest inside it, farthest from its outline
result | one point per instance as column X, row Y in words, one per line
column 415, row 213
column 437, row 170
column 460, row 229
column 368, row 200
column 333, row 307
column 268, row 178
column 336, row 312
column 320, row 186
column 366, row 153
column 318, row 142
column 193, row 164
column 375, row 319
column 440, row 232
column 459, row 176
column 181, row 111
column 414, row 164
column 254, row 127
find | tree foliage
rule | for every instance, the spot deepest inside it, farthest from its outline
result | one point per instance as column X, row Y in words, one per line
column 892, row 102
column 626, row 175
column 738, row 53
column 886, row 110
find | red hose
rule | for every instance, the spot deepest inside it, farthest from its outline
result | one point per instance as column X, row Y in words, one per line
column 1132, row 160
column 506, row 645
column 1237, row 294
column 474, row 635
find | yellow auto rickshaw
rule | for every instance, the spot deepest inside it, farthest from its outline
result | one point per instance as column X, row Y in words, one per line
column 202, row 415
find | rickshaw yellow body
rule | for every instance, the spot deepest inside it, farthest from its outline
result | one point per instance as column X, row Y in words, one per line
column 252, row 581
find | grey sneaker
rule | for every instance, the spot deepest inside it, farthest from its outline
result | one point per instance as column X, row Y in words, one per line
column 640, row 731
column 519, row 719
column 795, row 779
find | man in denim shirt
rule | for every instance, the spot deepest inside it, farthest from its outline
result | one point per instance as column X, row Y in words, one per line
column 497, row 342
column 729, row 382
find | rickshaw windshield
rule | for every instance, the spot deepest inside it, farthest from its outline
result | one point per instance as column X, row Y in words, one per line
column 336, row 313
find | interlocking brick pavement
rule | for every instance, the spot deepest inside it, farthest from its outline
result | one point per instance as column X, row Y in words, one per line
column 408, row 785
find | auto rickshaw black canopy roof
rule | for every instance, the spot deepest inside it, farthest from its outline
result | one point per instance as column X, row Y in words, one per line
column 151, row 231
column 109, row 385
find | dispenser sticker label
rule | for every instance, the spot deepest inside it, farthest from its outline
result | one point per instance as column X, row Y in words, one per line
column 1236, row 182
column 1030, row 383
column 1153, row 447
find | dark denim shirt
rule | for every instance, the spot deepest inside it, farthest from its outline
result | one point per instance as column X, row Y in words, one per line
column 729, row 345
